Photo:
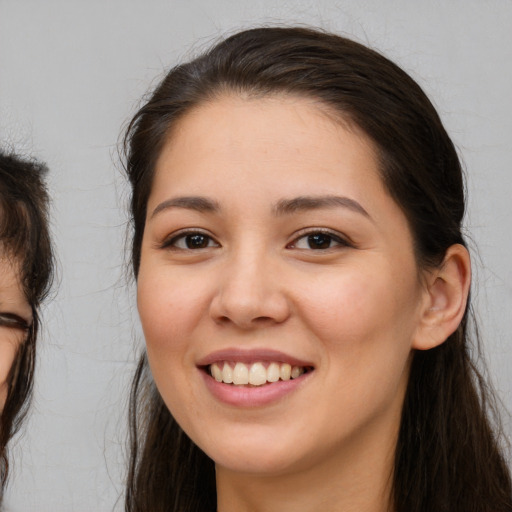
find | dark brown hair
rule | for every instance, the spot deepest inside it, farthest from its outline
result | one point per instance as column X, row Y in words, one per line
column 25, row 240
column 448, row 456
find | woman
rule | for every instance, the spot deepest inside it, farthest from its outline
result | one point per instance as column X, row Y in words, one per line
column 302, row 283
column 26, row 270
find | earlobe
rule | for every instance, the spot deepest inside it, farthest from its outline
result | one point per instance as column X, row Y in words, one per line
column 446, row 297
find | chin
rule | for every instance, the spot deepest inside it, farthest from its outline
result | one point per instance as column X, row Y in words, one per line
column 256, row 462
column 259, row 450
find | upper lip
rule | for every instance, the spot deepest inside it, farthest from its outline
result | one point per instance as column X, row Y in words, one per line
column 249, row 356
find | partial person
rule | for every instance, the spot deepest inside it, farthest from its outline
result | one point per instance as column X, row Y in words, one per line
column 26, row 270
column 303, row 287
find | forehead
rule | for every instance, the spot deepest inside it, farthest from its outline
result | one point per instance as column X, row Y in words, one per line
column 285, row 138
column 290, row 116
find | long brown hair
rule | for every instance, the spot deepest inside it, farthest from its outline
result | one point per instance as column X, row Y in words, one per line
column 448, row 456
column 25, row 240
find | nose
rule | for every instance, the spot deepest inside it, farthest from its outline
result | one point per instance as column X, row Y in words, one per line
column 250, row 293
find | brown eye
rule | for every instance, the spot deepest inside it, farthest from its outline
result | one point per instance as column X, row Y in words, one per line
column 191, row 241
column 196, row 241
column 318, row 240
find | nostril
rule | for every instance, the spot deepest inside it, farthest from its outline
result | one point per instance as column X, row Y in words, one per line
column 246, row 323
column 263, row 319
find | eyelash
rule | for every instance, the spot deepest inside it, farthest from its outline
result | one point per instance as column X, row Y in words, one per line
column 329, row 238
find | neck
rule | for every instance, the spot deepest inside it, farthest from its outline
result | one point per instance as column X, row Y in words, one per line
column 359, row 482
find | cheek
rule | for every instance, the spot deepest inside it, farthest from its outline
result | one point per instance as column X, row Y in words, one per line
column 170, row 305
column 365, row 327
column 171, row 301
column 356, row 310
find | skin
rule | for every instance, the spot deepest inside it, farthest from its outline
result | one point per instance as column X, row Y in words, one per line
column 15, row 314
column 353, row 310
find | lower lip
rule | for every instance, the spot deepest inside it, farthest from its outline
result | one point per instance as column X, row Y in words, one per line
column 258, row 396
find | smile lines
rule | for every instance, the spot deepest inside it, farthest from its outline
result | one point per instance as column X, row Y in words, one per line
column 255, row 374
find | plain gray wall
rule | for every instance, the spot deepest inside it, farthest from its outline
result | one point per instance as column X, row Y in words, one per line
column 72, row 72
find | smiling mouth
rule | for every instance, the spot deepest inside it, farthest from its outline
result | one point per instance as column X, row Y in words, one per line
column 255, row 374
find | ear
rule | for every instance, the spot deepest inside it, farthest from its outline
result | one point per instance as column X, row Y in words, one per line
column 447, row 289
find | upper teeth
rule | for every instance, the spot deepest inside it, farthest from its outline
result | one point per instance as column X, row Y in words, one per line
column 256, row 373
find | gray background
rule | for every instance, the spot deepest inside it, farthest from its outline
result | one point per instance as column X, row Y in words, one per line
column 72, row 72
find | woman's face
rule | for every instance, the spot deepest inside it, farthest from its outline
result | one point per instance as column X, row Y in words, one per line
column 15, row 316
column 271, row 246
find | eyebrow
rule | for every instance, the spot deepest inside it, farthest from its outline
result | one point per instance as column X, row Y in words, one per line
column 200, row 204
column 304, row 203
column 282, row 207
